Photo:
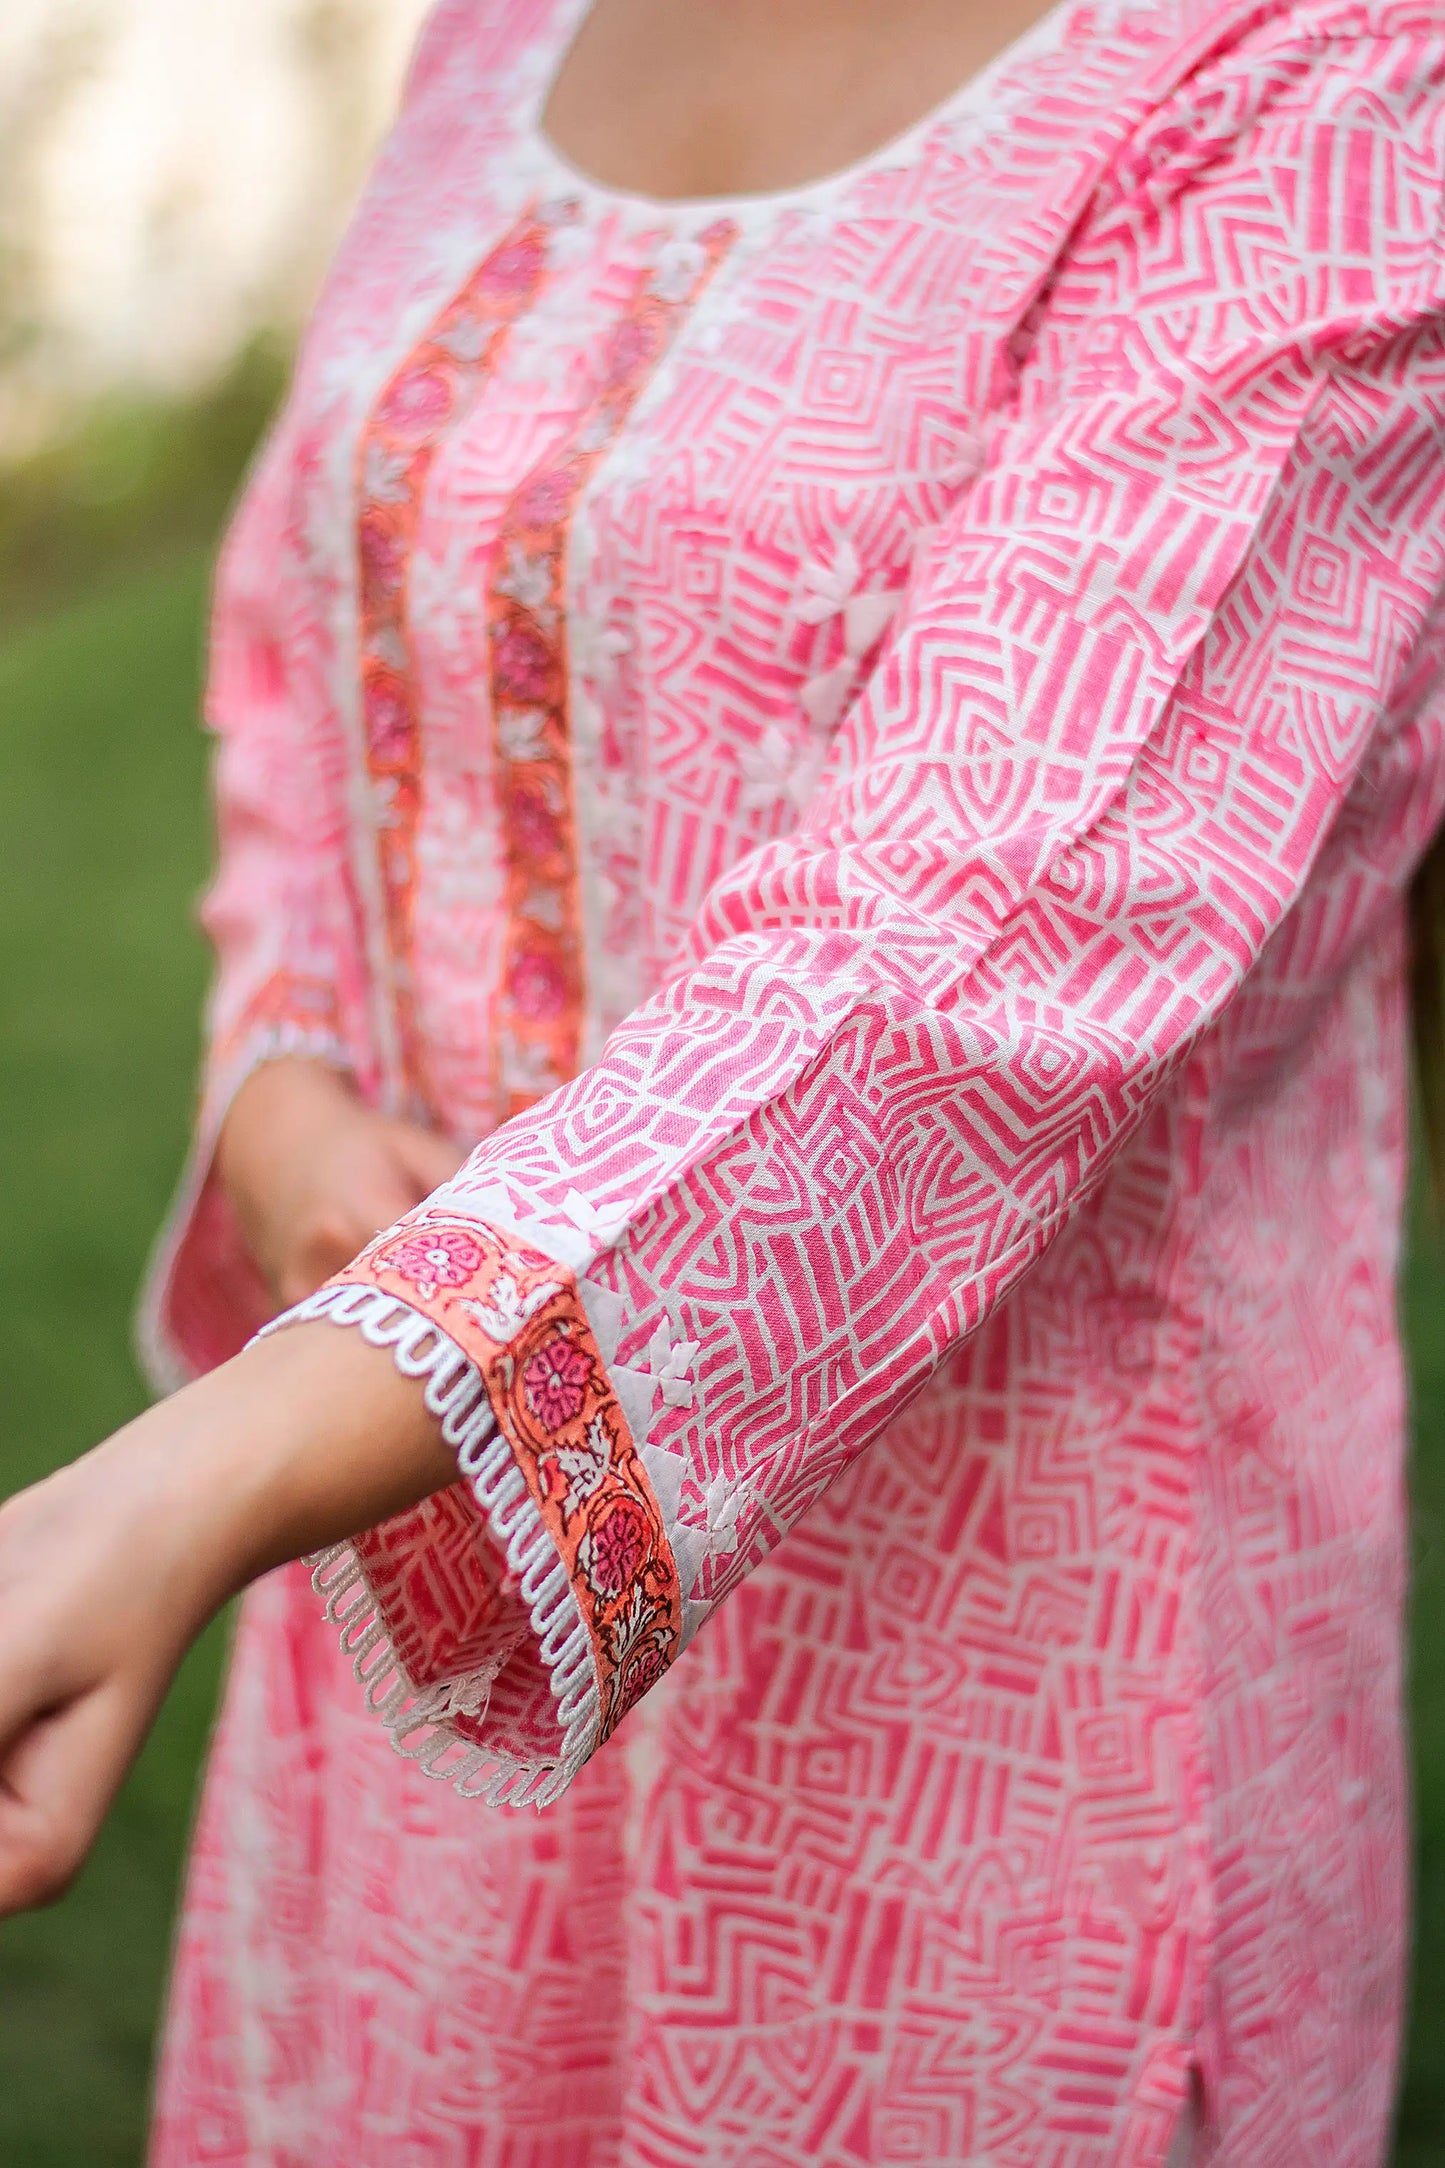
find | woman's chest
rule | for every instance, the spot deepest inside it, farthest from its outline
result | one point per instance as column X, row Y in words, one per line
column 709, row 445
column 708, row 438
column 729, row 424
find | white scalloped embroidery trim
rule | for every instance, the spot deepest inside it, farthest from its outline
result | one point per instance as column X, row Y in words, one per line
column 415, row 1718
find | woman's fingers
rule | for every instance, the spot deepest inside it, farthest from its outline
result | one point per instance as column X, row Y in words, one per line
column 77, row 1688
column 338, row 1234
column 427, row 1159
column 57, row 1780
column 110, row 1567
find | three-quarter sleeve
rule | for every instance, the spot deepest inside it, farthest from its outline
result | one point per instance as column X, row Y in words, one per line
column 1136, row 675
column 288, row 929
column 289, row 972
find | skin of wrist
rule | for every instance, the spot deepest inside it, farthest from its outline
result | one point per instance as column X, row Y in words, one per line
column 304, row 1438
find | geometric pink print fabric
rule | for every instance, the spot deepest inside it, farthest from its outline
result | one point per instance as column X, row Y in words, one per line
column 864, row 747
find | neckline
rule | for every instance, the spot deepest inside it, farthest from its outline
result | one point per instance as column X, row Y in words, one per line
column 574, row 180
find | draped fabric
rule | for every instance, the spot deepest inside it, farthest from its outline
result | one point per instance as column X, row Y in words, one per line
column 863, row 747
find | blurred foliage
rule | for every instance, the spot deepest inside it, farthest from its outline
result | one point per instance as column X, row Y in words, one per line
column 103, row 842
column 135, row 482
column 105, row 545
column 1421, row 2130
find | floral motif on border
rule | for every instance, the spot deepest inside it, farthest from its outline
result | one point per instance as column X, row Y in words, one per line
column 538, row 1023
column 430, row 392
column 519, row 1316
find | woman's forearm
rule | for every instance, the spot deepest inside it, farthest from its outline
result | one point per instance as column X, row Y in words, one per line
column 111, row 1567
column 302, row 1439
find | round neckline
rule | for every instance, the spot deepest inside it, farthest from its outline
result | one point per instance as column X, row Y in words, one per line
column 575, row 180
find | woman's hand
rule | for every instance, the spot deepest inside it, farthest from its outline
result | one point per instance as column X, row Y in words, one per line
column 313, row 1173
column 111, row 1567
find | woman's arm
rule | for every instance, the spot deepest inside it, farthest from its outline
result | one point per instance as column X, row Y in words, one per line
column 290, row 978
column 111, row 1567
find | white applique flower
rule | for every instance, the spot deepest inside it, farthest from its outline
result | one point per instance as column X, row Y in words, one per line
column 383, row 478
column 586, row 717
column 671, row 1364
column 968, row 454
column 829, row 585
column 569, row 241
column 454, row 870
column 590, row 1219
column 866, row 618
column 630, row 466
column 833, row 590
column 677, row 270
column 812, row 225
column 525, row 1068
column 726, row 1501
column 969, row 129
column 807, row 769
column 597, row 649
column 825, row 695
column 606, row 892
column 523, row 733
column 780, row 768
column 540, row 351
column 527, row 579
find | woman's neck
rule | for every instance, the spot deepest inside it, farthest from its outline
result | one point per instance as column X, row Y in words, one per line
column 673, row 98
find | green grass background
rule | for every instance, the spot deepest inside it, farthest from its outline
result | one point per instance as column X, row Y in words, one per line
column 103, row 843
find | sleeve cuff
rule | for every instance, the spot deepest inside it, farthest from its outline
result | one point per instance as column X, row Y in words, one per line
column 202, row 1295
column 503, row 1628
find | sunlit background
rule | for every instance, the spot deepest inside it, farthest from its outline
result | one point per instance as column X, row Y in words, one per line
column 172, row 178
column 173, row 174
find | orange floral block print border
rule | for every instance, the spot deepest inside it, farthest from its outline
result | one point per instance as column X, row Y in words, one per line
column 538, row 1026
column 519, row 1316
column 426, row 397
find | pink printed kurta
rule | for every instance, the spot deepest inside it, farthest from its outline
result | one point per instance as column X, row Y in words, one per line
column 867, row 743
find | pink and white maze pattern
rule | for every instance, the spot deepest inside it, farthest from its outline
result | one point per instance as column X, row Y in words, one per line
column 982, row 708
